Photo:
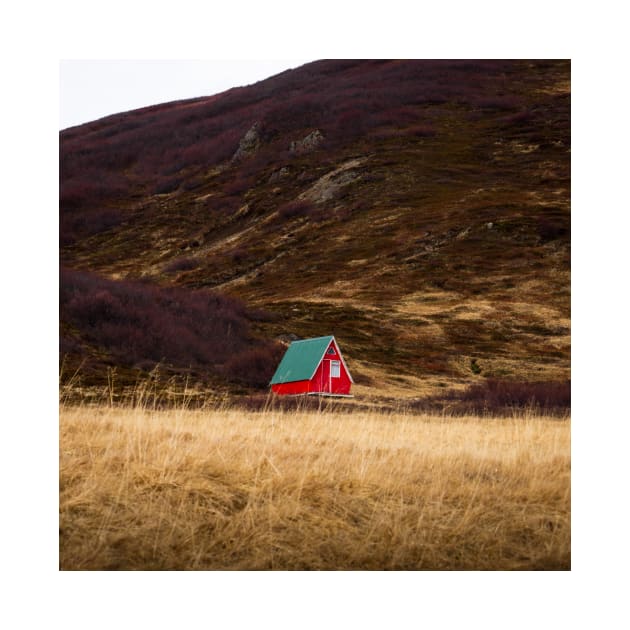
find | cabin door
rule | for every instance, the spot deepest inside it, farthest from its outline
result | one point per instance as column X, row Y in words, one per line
column 326, row 376
column 331, row 373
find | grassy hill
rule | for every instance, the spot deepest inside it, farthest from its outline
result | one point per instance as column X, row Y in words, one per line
column 417, row 210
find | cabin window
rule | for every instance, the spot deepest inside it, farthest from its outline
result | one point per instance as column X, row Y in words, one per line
column 335, row 369
column 331, row 350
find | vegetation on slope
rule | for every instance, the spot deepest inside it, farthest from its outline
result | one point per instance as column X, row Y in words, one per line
column 418, row 210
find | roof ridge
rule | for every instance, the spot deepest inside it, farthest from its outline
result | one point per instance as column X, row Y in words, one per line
column 314, row 338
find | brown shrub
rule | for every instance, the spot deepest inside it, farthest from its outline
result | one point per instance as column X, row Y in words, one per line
column 496, row 397
column 138, row 324
column 185, row 263
column 255, row 366
column 296, row 208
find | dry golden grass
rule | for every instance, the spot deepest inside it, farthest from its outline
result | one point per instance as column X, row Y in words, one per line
column 229, row 489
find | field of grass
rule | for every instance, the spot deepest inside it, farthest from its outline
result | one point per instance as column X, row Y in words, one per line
column 225, row 489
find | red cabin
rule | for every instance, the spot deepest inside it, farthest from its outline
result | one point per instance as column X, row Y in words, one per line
column 312, row 366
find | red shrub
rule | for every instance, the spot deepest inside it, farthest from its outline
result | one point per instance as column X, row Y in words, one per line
column 422, row 131
column 136, row 323
column 89, row 189
column 238, row 255
column 296, row 208
column 237, row 184
column 500, row 103
column 417, row 131
column 167, row 185
column 255, row 366
column 552, row 229
column 185, row 263
column 494, row 396
column 73, row 225
column 519, row 118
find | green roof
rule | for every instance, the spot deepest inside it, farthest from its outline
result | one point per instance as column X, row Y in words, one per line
column 301, row 360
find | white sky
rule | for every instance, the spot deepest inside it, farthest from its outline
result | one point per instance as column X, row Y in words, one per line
column 91, row 89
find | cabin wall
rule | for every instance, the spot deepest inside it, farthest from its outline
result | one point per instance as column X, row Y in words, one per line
column 296, row 387
column 341, row 384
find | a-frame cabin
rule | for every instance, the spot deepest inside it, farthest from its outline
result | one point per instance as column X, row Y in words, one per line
column 312, row 366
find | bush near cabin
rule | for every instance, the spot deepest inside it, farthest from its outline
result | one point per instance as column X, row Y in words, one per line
column 141, row 324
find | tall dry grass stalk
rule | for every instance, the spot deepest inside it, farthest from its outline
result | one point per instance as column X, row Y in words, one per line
column 226, row 489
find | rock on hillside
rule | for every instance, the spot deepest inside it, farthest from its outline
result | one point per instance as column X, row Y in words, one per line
column 308, row 143
column 249, row 143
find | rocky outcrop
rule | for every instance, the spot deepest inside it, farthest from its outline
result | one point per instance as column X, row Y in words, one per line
column 279, row 174
column 249, row 144
column 328, row 186
column 308, row 143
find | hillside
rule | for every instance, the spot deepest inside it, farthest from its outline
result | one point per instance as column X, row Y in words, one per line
column 417, row 210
